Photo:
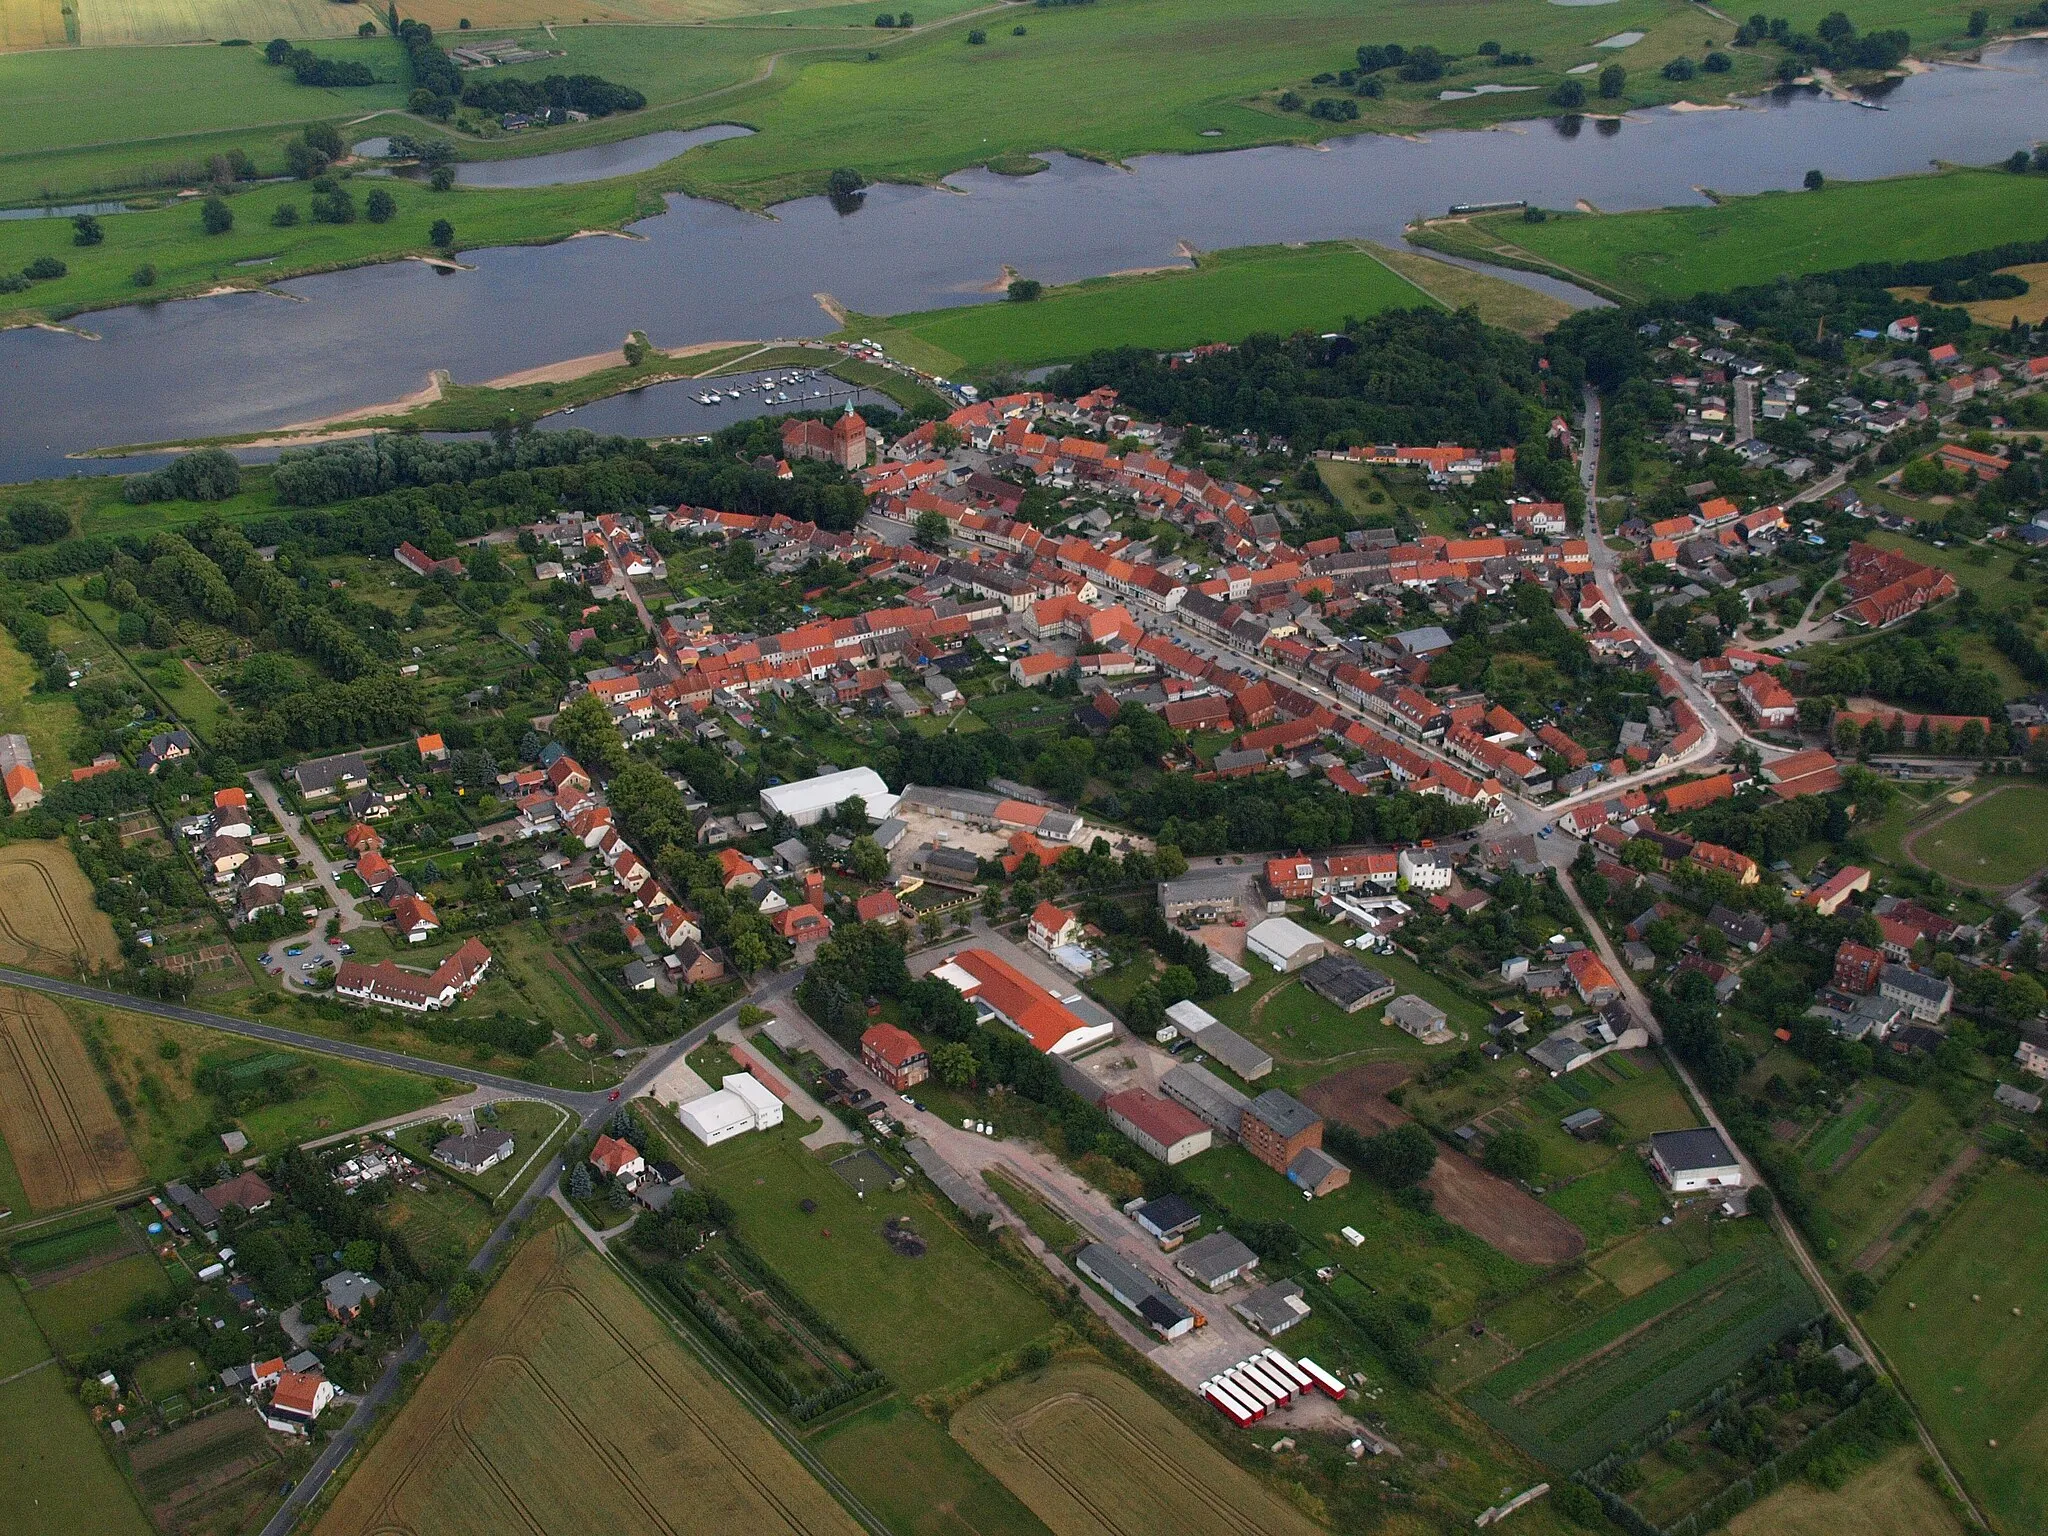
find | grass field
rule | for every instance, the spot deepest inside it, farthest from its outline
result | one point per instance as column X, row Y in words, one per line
column 917, row 1478
column 53, row 1466
column 968, row 1310
column 47, row 918
column 1571, row 1400
column 65, row 1141
column 1674, row 252
column 1228, row 296
column 45, row 719
column 84, row 1314
column 1999, row 839
column 1888, row 1498
column 1066, row 1441
column 1868, row 1198
column 564, row 1403
column 175, row 1121
column 1978, row 1373
column 21, row 1342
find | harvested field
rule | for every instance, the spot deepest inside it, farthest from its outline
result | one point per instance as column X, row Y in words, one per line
column 222, row 1467
column 565, row 1404
column 1065, row 1442
column 47, row 919
column 66, row 1142
column 1490, row 1208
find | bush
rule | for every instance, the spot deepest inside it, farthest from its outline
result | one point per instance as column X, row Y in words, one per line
column 1680, row 69
column 1613, row 81
column 1024, row 290
column 976, row 38
column 442, row 234
column 43, row 268
column 144, row 276
column 1570, row 94
column 215, row 216
column 1717, row 63
column 285, row 215
column 380, row 206
column 86, row 230
column 443, row 178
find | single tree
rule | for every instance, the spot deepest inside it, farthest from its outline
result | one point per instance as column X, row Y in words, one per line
column 380, row 206
column 285, row 215
column 1569, row 94
column 215, row 216
column 1514, row 1154
column 932, row 531
column 1024, row 290
column 976, row 38
column 1613, row 81
column 1979, row 22
column 442, row 234
column 145, row 276
column 953, row 1064
column 86, row 230
column 441, row 178
column 1815, row 181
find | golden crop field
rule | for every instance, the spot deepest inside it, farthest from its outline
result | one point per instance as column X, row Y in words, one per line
column 47, row 919
column 445, row 15
column 104, row 22
column 1069, row 1444
column 564, row 1404
column 31, row 24
column 60, row 1128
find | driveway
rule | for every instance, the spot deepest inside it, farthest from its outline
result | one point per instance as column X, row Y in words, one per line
column 308, row 850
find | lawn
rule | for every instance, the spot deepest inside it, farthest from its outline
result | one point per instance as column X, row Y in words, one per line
column 48, row 720
column 1977, row 1372
column 172, row 1370
column 926, row 1322
column 174, row 1119
column 443, row 1226
column 535, row 1127
column 1999, row 839
column 1674, row 252
column 53, row 1465
column 83, row 1315
column 566, row 1403
column 911, row 1473
column 1226, row 297
column 1571, row 1400
column 1981, row 569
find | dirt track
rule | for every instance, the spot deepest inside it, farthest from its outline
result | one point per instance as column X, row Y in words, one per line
column 1467, row 1196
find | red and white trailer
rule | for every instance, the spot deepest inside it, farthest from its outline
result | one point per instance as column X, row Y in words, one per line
column 1286, row 1369
column 1322, row 1380
column 1238, row 1395
column 1251, row 1389
column 1256, row 1368
column 1227, row 1403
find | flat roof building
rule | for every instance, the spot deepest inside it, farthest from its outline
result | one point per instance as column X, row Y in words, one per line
column 1208, row 1097
column 1695, row 1160
column 812, row 800
column 1345, row 984
column 1273, row 1309
column 1284, row 944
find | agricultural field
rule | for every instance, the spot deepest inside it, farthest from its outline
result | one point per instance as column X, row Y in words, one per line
column 1977, row 1369
column 1674, row 252
column 53, row 1464
column 917, row 1478
column 2030, row 307
column 155, row 1063
column 1860, row 1203
column 1224, row 297
column 1888, row 1498
column 216, row 1473
column 565, row 1403
column 63, row 1138
column 1065, row 1441
column 835, row 1255
column 1569, row 1401
column 1998, row 839
column 47, row 918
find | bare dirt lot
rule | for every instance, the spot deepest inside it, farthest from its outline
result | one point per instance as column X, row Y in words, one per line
column 1467, row 1196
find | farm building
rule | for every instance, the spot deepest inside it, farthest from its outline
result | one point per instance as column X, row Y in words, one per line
column 812, row 800
column 1273, row 1309
column 1694, row 1160
column 1210, row 1099
column 1215, row 1261
column 1345, row 984
column 998, row 989
column 1166, row 1130
column 474, row 1152
column 1315, row 1173
column 1134, row 1289
column 1420, row 1018
column 1284, row 944
column 1169, row 1219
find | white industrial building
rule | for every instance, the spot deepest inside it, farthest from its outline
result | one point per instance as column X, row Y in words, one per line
column 740, row 1105
column 1284, row 944
column 1695, row 1160
column 812, row 800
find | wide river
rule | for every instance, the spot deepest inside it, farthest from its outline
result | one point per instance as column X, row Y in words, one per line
column 707, row 272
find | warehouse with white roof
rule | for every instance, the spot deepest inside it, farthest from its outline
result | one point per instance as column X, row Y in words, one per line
column 812, row 800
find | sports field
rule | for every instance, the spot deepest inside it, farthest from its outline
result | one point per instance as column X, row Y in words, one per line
column 1998, row 839
column 47, row 917
column 1674, row 252
column 1977, row 1372
column 65, row 1142
column 1070, row 1442
column 565, row 1404
column 1571, row 1400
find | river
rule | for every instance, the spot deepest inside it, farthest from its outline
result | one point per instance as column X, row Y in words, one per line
column 706, row 272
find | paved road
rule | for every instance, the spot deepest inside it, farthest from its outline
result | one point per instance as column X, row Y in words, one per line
column 310, row 856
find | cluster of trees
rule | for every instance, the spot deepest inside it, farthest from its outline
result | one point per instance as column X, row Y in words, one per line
column 33, row 520
column 308, row 68
column 589, row 94
column 1409, row 376
column 1412, row 64
column 1917, row 673
column 1833, row 44
column 1682, row 68
column 207, row 474
column 895, row 19
column 1219, row 815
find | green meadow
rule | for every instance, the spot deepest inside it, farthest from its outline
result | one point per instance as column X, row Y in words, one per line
column 1675, row 252
column 1226, row 297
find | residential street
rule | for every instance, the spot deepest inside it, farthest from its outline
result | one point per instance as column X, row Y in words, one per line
column 310, row 857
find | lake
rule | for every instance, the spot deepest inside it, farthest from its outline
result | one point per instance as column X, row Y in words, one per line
column 706, row 271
